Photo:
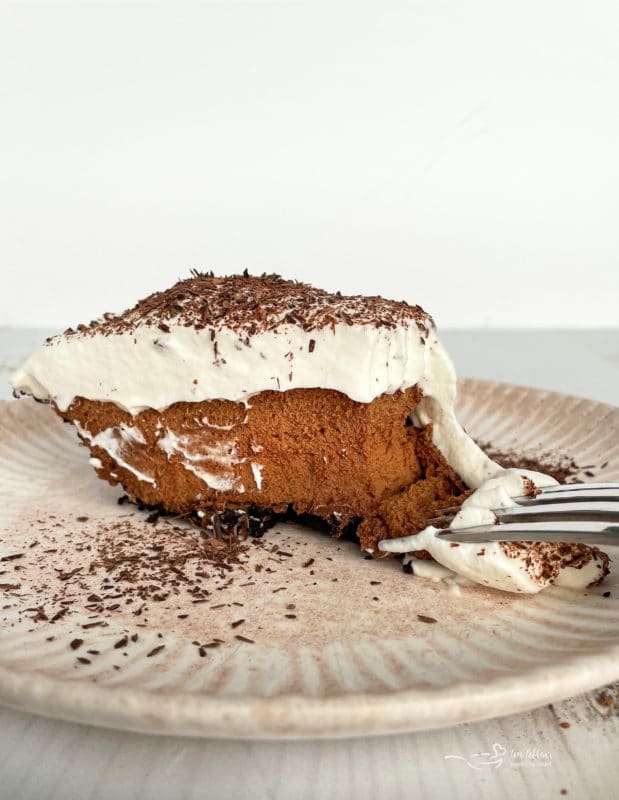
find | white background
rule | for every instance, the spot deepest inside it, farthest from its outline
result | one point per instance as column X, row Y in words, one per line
column 463, row 155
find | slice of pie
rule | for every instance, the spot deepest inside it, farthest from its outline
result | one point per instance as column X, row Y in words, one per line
column 242, row 400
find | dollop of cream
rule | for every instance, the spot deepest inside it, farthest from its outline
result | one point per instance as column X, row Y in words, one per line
column 489, row 563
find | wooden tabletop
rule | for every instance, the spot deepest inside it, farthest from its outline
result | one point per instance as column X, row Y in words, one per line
column 570, row 748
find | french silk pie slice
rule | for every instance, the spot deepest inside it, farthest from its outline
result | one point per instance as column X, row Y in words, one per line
column 242, row 400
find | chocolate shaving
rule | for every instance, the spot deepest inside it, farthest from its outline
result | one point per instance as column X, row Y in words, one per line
column 561, row 467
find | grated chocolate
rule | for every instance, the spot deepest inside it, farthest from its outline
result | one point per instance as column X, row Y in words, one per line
column 250, row 304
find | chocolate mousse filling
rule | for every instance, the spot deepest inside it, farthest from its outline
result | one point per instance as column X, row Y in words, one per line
column 359, row 467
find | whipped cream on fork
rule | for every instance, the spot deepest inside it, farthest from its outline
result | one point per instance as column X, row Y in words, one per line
column 508, row 566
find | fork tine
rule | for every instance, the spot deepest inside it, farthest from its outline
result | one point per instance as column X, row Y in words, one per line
column 578, row 532
column 551, row 495
column 594, row 510
column 575, row 493
column 581, row 487
column 445, row 514
column 441, row 519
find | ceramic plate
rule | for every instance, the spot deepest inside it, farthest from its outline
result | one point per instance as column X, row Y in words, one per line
column 335, row 647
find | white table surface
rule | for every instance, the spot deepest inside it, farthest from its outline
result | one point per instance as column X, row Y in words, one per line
column 41, row 758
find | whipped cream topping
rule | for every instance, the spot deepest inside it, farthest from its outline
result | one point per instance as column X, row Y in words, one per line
column 127, row 368
column 230, row 338
column 512, row 568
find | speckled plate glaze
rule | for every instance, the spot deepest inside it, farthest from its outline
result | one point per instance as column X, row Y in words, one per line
column 352, row 659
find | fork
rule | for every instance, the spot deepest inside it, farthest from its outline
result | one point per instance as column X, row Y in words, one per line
column 581, row 513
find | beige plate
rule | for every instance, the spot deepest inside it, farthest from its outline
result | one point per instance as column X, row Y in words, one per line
column 355, row 660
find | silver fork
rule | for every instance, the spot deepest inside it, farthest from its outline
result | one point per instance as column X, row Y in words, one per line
column 582, row 513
